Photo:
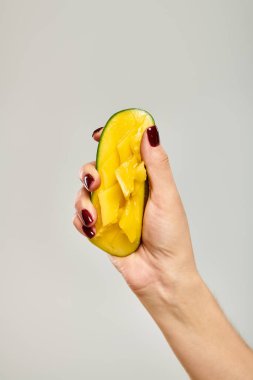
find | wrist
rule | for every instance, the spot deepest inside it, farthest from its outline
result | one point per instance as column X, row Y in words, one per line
column 173, row 293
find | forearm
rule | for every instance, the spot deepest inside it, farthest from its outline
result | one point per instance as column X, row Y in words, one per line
column 198, row 332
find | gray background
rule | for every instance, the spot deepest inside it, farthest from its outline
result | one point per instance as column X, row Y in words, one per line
column 65, row 67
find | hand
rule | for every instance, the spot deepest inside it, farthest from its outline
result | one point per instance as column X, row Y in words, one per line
column 165, row 254
column 163, row 275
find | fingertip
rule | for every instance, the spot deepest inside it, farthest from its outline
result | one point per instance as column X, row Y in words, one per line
column 96, row 137
column 89, row 232
column 91, row 184
column 151, row 149
column 90, row 177
column 89, row 217
column 97, row 133
column 88, row 181
column 153, row 136
column 150, row 138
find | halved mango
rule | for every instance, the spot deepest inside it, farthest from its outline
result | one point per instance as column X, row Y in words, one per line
column 120, row 199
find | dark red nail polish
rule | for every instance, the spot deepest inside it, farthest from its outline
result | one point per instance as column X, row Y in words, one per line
column 89, row 232
column 87, row 217
column 88, row 179
column 153, row 136
column 96, row 130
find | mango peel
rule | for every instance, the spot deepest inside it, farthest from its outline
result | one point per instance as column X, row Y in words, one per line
column 120, row 200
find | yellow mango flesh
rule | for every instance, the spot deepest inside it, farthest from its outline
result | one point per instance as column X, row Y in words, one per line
column 110, row 200
column 120, row 199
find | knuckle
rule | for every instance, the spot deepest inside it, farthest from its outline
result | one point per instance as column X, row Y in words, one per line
column 81, row 173
column 74, row 220
column 165, row 158
column 78, row 200
column 86, row 169
column 76, row 204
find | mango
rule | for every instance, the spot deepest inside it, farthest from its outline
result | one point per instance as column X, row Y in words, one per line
column 120, row 200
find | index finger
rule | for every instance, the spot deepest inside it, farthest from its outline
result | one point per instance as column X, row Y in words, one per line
column 97, row 133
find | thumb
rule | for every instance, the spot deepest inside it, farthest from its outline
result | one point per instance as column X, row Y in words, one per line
column 157, row 163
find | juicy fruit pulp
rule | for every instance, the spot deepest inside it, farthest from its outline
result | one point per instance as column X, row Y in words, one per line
column 120, row 199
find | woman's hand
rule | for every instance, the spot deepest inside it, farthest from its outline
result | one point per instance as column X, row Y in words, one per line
column 165, row 254
column 163, row 275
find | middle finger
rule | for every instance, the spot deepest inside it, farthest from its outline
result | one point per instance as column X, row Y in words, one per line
column 85, row 209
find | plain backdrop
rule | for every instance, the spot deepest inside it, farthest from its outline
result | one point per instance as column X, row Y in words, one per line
column 65, row 67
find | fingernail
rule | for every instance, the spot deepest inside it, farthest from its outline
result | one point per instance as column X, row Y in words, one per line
column 88, row 179
column 87, row 217
column 89, row 232
column 96, row 130
column 153, row 136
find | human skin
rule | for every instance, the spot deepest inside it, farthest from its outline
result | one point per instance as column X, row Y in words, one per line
column 163, row 274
